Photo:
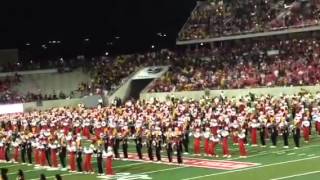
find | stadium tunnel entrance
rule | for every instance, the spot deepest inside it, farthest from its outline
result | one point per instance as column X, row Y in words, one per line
column 136, row 86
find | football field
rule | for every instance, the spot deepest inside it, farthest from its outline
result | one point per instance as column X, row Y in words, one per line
column 262, row 163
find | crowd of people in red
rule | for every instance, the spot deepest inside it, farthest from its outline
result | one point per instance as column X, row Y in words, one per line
column 216, row 18
column 244, row 64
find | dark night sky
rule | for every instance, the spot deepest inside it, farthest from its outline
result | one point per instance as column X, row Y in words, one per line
column 135, row 22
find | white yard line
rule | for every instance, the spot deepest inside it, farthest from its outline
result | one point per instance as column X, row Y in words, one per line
column 296, row 175
column 291, row 154
column 12, row 165
column 148, row 172
column 161, row 170
column 31, row 170
column 250, row 168
column 49, row 177
column 127, row 165
column 268, row 152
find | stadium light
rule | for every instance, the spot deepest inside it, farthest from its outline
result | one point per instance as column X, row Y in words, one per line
column 28, row 44
column 107, row 53
column 152, row 46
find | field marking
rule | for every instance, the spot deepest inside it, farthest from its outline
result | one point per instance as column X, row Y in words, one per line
column 296, row 175
column 49, row 177
column 266, row 152
column 127, row 165
column 202, row 163
column 256, row 167
column 167, row 169
column 148, row 172
column 31, row 170
column 291, row 154
column 302, row 154
column 12, row 165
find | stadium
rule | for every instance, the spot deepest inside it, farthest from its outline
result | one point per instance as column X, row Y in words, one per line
column 230, row 91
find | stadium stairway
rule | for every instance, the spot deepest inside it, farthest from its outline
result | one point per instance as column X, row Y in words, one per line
column 137, row 82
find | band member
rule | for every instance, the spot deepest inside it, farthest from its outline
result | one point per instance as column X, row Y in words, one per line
column 234, row 131
column 86, row 130
column 197, row 142
column 316, row 118
column 36, row 151
column 206, row 136
column 158, row 144
column 150, row 144
column 169, row 144
column 225, row 146
column 274, row 134
column 125, row 134
column 296, row 135
column 214, row 140
column 116, row 145
column 54, row 149
column 254, row 126
column 7, row 150
column 109, row 155
column 29, row 151
column 306, row 130
column 63, row 152
column 47, row 151
column 99, row 152
column 23, row 146
column 42, row 154
column 79, row 157
column 242, row 147
column 138, row 141
column 285, row 133
column 88, row 158
column 262, row 133
column 2, row 151
column 179, row 150
column 185, row 139
column 16, row 145
column 72, row 149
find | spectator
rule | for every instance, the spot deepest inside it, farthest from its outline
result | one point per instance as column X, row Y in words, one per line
column 20, row 175
column 4, row 175
column 42, row 177
column 216, row 18
column 58, row 177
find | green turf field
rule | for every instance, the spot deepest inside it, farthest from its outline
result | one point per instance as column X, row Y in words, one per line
column 274, row 164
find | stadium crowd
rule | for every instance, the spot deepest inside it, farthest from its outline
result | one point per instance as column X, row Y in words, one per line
column 109, row 72
column 244, row 64
column 216, row 18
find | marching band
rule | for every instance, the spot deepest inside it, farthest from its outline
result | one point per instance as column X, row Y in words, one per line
column 57, row 136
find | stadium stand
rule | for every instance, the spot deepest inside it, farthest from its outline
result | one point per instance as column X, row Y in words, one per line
column 217, row 18
column 251, row 63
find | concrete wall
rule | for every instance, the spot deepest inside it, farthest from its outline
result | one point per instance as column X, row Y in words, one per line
column 122, row 92
column 47, row 82
column 275, row 91
column 88, row 101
